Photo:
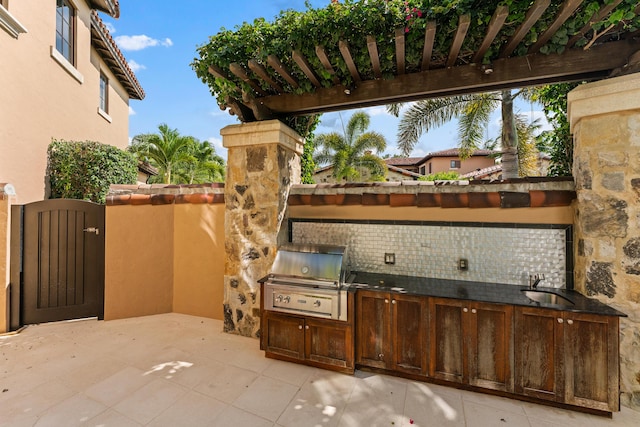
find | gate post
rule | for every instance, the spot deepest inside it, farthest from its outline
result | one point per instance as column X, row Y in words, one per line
column 605, row 122
column 7, row 196
column 263, row 162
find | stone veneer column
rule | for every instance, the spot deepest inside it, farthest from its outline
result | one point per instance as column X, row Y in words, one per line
column 605, row 122
column 263, row 162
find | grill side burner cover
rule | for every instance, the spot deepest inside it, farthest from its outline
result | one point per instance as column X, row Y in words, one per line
column 320, row 262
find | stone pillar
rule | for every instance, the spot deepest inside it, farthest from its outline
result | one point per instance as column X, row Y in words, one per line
column 7, row 197
column 263, row 162
column 605, row 122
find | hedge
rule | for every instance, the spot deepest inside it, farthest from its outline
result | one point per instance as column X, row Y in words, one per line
column 85, row 169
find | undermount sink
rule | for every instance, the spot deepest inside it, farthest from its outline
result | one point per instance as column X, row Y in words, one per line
column 546, row 297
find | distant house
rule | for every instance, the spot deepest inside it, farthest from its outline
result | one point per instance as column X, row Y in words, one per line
column 398, row 169
column 449, row 160
column 63, row 77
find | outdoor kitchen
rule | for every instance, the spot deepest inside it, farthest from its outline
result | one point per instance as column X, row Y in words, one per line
column 486, row 305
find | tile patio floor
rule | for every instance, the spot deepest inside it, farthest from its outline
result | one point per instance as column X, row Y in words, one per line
column 178, row 370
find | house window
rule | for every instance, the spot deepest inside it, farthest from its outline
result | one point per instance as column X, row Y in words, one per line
column 104, row 93
column 65, row 19
column 422, row 170
column 430, row 168
column 455, row 164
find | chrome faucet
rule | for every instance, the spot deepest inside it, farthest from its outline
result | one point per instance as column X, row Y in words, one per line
column 535, row 280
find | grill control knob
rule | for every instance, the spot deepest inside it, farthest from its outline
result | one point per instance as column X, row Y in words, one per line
column 278, row 298
column 316, row 303
column 287, row 299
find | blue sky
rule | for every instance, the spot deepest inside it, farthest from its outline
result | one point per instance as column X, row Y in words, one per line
column 159, row 39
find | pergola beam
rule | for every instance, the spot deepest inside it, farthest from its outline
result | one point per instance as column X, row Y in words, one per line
column 567, row 10
column 261, row 72
column 280, row 68
column 515, row 72
column 348, row 59
column 463, row 26
column 321, row 53
column 495, row 25
column 598, row 16
column 400, row 61
column 372, row 46
column 306, row 68
column 533, row 14
column 429, row 39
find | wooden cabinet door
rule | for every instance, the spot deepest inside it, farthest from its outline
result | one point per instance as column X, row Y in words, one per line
column 373, row 345
column 447, row 361
column 539, row 353
column 409, row 323
column 284, row 335
column 490, row 333
column 591, row 365
column 329, row 342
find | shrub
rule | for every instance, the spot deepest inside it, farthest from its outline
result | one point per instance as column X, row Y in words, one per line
column 84, row 170
column 441, row 176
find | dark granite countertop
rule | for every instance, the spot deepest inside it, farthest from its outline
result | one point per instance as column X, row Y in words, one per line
column 478, row 291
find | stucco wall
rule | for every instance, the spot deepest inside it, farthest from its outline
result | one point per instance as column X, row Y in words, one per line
column 6, row 196
column 40, row 100
column 164, row 251
column 138, row 261
column 443, row 164
column 546, row 215
column 198, row 259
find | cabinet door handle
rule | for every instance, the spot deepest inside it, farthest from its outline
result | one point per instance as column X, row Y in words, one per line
column 386, row 301
column 474, row 311
column 393, row 301
column 465, row 309
column 570, row 322
column 300, row 327
column 560, row 320
column 380, row 356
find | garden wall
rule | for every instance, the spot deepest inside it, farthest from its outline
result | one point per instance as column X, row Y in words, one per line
column 7, row 195
column 503, row 232
column 164, row 251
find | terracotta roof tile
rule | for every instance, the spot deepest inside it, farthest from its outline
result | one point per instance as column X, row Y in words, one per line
column 111, row 54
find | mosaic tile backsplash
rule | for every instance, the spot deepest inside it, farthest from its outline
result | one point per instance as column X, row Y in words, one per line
column 494, row 254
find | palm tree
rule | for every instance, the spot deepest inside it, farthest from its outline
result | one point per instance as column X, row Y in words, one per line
column 201, row 165
column 165, row 150
column 473, row 112
column 352, row 152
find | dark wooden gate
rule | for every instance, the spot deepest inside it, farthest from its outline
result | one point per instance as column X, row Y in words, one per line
column 62, row 261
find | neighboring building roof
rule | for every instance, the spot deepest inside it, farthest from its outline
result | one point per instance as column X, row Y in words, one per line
column 113, row 57
column 403, row 161
column 404, row 172
column 112, row 7
column 483, row 173
column 147, row 168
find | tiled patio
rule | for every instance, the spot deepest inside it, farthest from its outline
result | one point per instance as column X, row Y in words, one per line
column 177, row 370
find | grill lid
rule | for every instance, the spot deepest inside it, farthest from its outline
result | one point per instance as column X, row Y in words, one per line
column 318, row 262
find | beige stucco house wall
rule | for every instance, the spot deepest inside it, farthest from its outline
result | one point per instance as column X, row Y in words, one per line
column 45, row 97
column 440, row 161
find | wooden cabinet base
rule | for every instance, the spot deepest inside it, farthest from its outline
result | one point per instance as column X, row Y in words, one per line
column 312, row 341
column 456, row 385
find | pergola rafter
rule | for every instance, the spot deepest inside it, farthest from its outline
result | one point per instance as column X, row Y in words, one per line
column 340, row 81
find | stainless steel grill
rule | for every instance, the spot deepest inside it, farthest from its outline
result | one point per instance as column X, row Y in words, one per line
column 308, row 280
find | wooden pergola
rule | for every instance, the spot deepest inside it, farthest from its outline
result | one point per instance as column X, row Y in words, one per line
column 611, row 52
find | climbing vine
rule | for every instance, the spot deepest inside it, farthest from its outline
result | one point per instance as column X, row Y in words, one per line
column 353, row 20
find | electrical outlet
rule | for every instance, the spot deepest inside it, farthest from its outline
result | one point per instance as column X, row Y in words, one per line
column 463, row 264
column 389, row 258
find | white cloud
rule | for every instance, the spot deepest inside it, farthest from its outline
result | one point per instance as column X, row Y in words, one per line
column 140, row 42
column 132, row 112
column 135, row 67
column 376, row 111
column 217, row 144
column 110, row 27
